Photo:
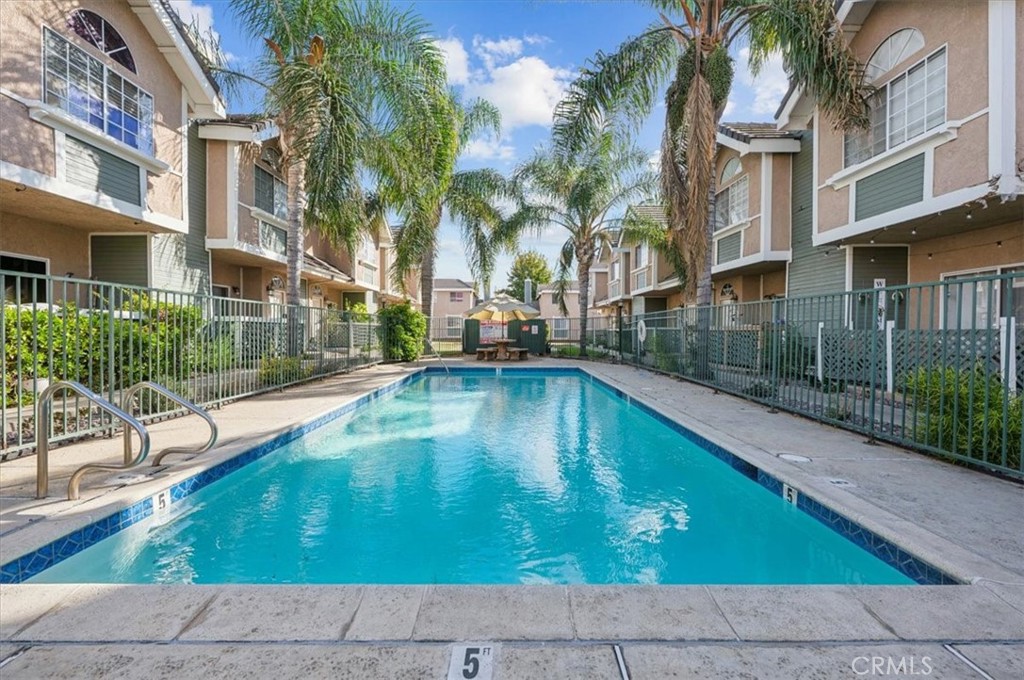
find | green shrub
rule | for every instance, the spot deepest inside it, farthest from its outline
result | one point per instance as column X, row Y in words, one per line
column 401, row 331
column 962, row 411
column 761, row 389
column 566, row 350
column 282, row 370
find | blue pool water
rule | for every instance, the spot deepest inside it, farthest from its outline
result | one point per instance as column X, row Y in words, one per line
column 463, row 479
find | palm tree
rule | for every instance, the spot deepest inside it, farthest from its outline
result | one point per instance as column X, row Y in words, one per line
column 357, row 91
column 471, row 197
column 583, row 192
column 688, row 50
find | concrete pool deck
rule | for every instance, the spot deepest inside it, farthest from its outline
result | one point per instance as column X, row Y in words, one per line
column 963, row 521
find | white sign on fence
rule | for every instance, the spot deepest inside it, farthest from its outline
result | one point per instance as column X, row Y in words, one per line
column 491, row 331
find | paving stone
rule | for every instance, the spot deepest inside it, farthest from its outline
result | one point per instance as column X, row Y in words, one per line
column 386, row 613
column 647, row 613
column 943, row 612
column 115, row 613
column 800, row 662
column 1002, row 662
column 1012, row 594
column 595, row 662
column 795, row 613
column 24, row 603
column 281, row 662
column 280, row 613
column 494, row 613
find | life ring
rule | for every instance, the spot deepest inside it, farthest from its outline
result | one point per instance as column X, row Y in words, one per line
column 641, row 331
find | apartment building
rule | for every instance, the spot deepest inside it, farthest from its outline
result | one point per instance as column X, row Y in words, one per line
column 452, row 299
column 120, row 164
column 246, row 228
column 551, row 311
column 933, row 191
column 98, row 102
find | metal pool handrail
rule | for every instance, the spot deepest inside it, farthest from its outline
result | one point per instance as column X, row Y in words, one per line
column 126, row 402
column 43, row 413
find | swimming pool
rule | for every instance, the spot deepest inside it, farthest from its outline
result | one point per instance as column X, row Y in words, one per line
column 526, row 477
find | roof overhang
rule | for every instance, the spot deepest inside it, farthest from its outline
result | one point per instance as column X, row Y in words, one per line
column 772, row 145
column 797, row 107
column 237, row 132
column 154, row 15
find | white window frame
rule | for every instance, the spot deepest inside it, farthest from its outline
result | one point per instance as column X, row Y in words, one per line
column 453, row 326
column 265, row 229
column 456, row 296
column 950, row 281
column 726, row 194
column 279, row 209
column 885, row 90
column 559, row 328
column 146, row 124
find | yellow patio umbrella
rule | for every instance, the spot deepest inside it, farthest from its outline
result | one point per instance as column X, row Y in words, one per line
column 502, row 308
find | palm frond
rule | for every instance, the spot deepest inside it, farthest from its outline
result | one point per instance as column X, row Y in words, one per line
column 618, row 88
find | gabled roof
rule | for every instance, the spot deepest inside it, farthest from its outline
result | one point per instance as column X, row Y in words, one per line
column 168, row 33
column 573, row 287
column 452, row 284
column 649, row 211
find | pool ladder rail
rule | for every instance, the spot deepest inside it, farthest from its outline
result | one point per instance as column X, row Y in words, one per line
column 432, row 351
column 44, row 409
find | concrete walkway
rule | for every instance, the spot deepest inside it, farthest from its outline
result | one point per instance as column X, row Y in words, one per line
column 965, row 522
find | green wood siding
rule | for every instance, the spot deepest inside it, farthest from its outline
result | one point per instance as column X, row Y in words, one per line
column 120, row 259
column 892, row 188
column 870, row 263
column 811, row 272
column 97, row 170
column 181, row 261
column 729, row 247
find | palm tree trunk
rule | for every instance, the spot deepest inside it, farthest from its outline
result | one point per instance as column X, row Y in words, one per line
column 583, row 276
column 702, row 359
column 294, row 248
column 427, row 283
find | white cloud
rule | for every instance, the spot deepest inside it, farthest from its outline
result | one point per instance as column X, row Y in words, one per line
column 769, row 85
column 488, row 149
column 536, row 39
column 457, row 60
column 525, row 91
column 730, row 106
column 201, row 17
column 494, row 52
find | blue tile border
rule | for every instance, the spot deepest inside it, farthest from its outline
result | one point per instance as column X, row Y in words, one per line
column 27, row 566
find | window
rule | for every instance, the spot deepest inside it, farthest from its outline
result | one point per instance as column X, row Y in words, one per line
column 731, row 169
column 455, row 297
column 95, row 30
column 732, row 205
column 980, row 304
column 892, row 51
column 274, row 239
column 453, row 327
column 641, row 256
column 559, row 329
column 615, row 271
column 82, row 86
column 904, row 108
column 271, row 194
column 23, row 289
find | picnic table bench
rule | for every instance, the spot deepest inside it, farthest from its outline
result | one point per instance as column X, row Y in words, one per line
column 488, row 353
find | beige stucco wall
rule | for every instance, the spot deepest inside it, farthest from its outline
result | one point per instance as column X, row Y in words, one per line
column 1020, row 85
column 443, row 307
column 549, row 309
column 782, row 164
column 30, row 144
column 961, row 25
column 751, row 287
column 67, row 249
column 965, row 251
column 752, row 237
column 216, row 192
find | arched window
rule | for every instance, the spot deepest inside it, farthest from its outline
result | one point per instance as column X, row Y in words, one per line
column 95, row 30
column 731, row 169
column 892, row 51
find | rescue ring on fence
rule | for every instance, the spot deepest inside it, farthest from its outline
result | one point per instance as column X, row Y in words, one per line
column 641, row 331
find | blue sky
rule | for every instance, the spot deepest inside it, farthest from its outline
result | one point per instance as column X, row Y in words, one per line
column 520, row 54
